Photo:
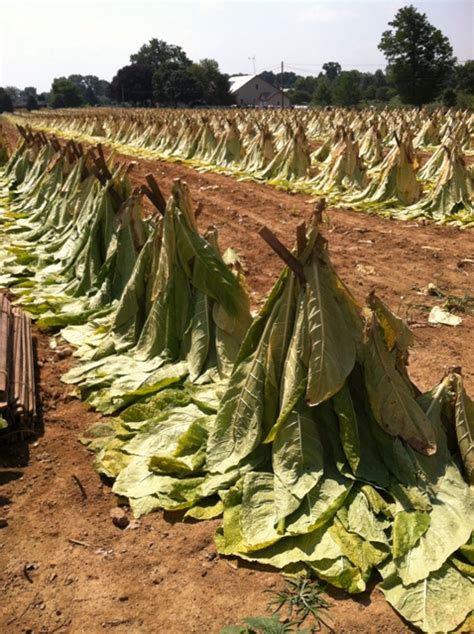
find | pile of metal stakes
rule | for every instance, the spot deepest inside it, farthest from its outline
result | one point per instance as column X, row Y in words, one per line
column 17, row 378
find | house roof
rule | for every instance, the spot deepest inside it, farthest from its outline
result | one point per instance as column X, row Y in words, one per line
column 238, row 81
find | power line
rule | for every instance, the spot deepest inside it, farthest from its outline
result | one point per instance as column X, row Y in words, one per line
column 305, row 67
column 352, row 64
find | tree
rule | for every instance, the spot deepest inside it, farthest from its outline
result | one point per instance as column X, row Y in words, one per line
column 133, row 84
column 332, row 70
column 346, row 89
column 6, row 104
column 214, row 85
column 270, row 77
column 43, row 98
column 322, row 95
column 420, row 58
column 30, row 91
column 65, row 94
column 299, row 97
column 465, row 77
column 449, row 98
column 14, row 93
column 93, row 90
column 173, row 85
column 31, row 102
column 308, row 84
column 157, row 52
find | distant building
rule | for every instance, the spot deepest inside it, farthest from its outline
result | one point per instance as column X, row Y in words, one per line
column 252, row 90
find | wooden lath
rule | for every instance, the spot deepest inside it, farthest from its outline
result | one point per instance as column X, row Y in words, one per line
column 17, row 374
column 153, row 193
column 280, row 249
column 301, row 240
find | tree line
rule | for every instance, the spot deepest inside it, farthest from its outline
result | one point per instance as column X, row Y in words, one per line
column 421, row 68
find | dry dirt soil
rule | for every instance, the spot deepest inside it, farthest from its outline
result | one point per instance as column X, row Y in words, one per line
column 65, row 567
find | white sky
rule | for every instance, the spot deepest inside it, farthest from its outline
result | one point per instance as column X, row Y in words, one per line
column 43, row 39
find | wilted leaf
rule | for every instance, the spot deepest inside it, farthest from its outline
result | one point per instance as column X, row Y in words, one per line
column 391, row 400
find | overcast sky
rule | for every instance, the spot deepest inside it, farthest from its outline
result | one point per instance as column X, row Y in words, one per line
column 43, row 39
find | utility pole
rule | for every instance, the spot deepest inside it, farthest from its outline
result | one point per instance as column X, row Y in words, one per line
column 281, row 86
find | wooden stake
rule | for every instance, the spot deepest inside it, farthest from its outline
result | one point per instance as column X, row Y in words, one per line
column 153, row 185
column 301, row 237
column 280, row 249
column 156, row 201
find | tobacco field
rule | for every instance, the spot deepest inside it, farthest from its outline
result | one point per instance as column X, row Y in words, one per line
column 287, row 419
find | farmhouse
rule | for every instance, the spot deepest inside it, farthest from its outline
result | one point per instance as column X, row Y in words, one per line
column 252, row 90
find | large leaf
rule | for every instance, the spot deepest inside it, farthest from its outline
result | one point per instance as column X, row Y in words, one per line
column 357, row 440
column 257, row 515
column 436, row 604
column 200, row 336
column 408, row 528
column 362, row 520
column 451, row 521
column 321, row 503
column 298, row 459
column 238, row 428
column 277, row 350
column 391, row 400
column 395, row 330
column 348, row 426
column 331, row 333
column 464, row 422
column 360, row 552
column 294, row 379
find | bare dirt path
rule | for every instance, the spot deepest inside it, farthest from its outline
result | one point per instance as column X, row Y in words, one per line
column 162, row 574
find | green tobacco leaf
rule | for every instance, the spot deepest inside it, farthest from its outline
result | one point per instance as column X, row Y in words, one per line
column 348, row 427
column 228, row 538
column 467, row 550
column 238, row 428
column 464, row 567
column 464, row 421
column 439, row 603
column 257, row 516
column 205, row 511
column 136, row 480
column 360, row 552
column 355, row 433
column 408, row 528
column 341, row 573
column 362, row 520
column 395, row 330
column 331, row 333
column 200, row 336
column 171, row 433
column 212, row 276
column 294, row 379
column 279, row 341
column 392, row 402
column 451, row 521
column 321, row 503
column 297, row 460
column 189, row 454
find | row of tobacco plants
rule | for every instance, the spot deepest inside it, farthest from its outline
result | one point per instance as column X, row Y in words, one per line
column 300, row 427
column 403, row 163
